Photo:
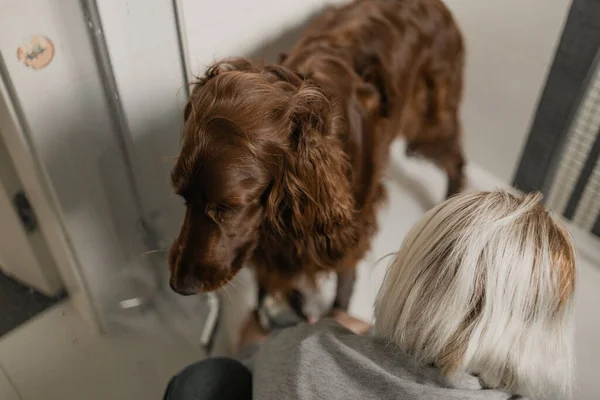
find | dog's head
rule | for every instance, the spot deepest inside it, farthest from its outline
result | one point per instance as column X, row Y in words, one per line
column 261, row 157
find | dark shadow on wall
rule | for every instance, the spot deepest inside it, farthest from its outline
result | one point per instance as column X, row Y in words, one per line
column 269, row 51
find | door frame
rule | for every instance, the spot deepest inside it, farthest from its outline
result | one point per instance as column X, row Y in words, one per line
column 24, row 253
column 36, row 184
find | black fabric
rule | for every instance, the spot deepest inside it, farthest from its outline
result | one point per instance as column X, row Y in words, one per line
column 211, row 379
column 565, row 85
column 19, row 303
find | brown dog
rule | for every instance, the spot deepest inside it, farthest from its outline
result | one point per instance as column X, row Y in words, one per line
column 281, row 165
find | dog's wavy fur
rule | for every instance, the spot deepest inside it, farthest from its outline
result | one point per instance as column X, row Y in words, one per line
column 282, row 164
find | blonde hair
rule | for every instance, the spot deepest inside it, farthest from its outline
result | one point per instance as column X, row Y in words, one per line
column 483, row 284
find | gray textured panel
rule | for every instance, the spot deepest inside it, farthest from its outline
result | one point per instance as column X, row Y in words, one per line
column 575, row 164
column 564, row 87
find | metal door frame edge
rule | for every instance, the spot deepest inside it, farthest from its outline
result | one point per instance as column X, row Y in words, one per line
column 37, row 184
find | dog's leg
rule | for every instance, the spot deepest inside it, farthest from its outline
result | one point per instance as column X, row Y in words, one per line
column 454, row 169
column 262, row 293
column 296, row 302
column 445, row 153
column 438, row 138
column 447, row 90
column 345, row 287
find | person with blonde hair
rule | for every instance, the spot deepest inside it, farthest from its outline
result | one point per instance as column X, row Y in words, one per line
column 477, row 304
column 483, row 285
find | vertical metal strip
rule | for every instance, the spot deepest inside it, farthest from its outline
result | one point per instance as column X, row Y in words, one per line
column 111, row 92
column 121, row 127
column 183, row 45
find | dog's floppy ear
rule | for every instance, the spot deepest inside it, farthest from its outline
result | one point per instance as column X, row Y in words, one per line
column 311, row 201
column 225, row 65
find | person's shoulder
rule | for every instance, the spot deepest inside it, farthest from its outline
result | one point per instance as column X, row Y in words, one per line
column 305, row 332
column 305, row 329
column 328, row 327
column 329, row 324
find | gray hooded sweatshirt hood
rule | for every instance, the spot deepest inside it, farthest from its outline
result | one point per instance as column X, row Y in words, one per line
column 327, row 361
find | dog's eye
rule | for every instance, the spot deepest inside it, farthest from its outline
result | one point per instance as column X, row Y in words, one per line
column 216, row 212
column 222, row 209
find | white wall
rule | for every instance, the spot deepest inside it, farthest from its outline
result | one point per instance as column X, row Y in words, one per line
column 239, row 28
column 67, row 122
column 142, row 39
column 510, row 48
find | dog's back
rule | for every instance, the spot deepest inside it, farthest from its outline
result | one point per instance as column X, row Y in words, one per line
column 412, row 52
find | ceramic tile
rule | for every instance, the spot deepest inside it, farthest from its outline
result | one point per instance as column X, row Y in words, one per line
column 57, row 357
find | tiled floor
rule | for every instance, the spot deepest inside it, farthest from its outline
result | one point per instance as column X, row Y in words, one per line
column 55, row 356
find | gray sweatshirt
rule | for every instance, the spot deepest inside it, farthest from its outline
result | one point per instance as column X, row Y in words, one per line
column 326, row 361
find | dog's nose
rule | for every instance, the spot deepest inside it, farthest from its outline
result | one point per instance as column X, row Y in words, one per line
column 184, row 291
